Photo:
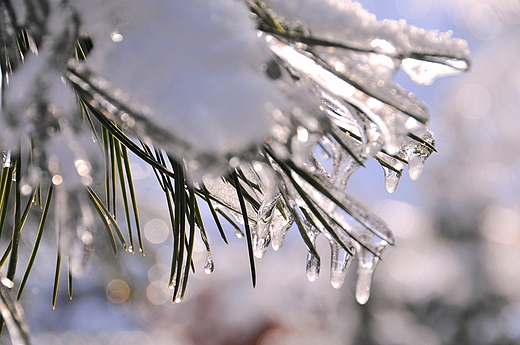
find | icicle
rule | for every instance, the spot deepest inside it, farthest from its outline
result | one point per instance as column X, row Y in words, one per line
column 260, row 233
column 260, row 243
column 363, row 285
column 279, row 227
column 425, row 72
column 339, row 264
column 209, row 265
column 417, row 149
column 415, row 166
column 312, row 267
column 367, row 263
column 391, row 179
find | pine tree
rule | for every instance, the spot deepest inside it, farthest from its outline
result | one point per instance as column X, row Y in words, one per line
column 260, row 111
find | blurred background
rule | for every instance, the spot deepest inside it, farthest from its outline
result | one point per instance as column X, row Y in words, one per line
column 453, row 277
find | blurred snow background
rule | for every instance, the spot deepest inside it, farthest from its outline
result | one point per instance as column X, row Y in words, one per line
column 453, row 278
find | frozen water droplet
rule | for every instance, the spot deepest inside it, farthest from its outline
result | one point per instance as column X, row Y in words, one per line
column 239, row 233
column 364, row 285
column 209, row 266
column 391, row 179
column 339, row 264
column 425, row 72
column 367, row 263
column 313, row 267
column 260, row 245
column 415, row 166
column 336, row 279
column 279, row 228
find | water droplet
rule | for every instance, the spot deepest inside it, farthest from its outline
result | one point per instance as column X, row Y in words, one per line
column 391, row 179
column 209, row 266
column 313, row 267
column 130, row 249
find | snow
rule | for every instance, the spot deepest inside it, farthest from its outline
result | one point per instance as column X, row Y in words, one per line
column 347, row 22
column 197, row 65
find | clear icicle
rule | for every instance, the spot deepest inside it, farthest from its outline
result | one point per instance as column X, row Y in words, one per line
column 417, row 152
column 260, row 243
column 391, row 179
column 313, row 267
column 415, row 166
column 209, row 265
column 367, row 263
column 363, row 285
column 279, row 227
column 260, row 233
column 339, row 264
